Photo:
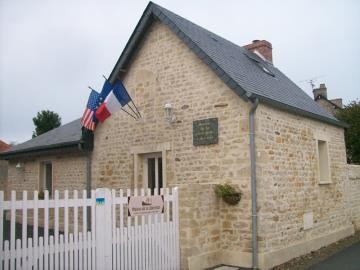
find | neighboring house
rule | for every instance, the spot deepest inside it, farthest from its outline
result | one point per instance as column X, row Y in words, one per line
column 331, row 105
column 3, row 166
column 54, row 160
column 300, row 159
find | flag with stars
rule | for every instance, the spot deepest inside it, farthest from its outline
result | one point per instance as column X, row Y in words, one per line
column 88, row 120
column 107, row 87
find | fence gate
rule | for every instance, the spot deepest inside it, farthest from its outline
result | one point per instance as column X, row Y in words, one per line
column 136, row 229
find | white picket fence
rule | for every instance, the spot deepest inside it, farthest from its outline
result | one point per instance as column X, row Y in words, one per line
column 111, row 240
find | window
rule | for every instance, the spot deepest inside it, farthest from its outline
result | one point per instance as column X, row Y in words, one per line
column 153, row 171
column 323, row 162
column 150, row 165
column 259, row 63
column 46, row 178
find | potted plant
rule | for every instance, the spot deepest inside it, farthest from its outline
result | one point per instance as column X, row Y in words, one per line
column 228, row 193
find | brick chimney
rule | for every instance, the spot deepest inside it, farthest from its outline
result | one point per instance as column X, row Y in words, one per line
column 262, row 47
column 320, row 92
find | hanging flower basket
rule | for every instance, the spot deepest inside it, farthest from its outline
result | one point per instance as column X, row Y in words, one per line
column 232, row 199
column 228, row 193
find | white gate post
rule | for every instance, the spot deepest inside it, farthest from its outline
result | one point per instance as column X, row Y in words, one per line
column 103, row 229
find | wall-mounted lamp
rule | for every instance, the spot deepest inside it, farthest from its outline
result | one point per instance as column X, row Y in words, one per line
column 19, row 166
column 169, row 113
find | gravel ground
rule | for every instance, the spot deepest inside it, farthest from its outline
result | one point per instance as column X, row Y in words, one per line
column 307, row 260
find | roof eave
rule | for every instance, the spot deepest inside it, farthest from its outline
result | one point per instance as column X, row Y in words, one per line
column 301, row 112
column 41, row 150
column 132, row 44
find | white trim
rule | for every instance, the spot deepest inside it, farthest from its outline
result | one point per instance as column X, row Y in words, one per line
column 321, row 180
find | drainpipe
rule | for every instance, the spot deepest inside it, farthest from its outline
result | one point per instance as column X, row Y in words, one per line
column 255, row 103
column 88, row 174
column 88, row 187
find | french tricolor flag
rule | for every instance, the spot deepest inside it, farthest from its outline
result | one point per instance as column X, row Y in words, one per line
column 115, row 100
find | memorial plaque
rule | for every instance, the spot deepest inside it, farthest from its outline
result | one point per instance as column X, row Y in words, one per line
column 205, row 131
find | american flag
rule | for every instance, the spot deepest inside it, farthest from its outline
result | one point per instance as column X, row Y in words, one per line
column 88, row 121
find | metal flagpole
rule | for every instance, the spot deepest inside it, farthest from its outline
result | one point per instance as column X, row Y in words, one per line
column 138, row 113
column 129, row 114
column 132, row 109
column 121, row 108
column 136, row 108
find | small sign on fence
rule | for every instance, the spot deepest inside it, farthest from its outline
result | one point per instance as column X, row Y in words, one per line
column 100, row 201
column 145, row 205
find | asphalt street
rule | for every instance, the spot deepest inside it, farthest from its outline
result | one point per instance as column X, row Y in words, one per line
column 348, row 259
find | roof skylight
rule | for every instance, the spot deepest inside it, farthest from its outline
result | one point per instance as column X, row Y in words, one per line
column 260, row 64
column 266, row 70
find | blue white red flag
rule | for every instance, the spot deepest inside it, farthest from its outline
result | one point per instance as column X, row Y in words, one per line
column 121, row 93
column 114, row 101
column 107, row 87
column 88, row 121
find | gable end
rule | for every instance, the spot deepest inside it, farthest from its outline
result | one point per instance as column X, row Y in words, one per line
column 150, row 14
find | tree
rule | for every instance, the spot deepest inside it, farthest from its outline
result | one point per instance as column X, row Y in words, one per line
column 351, row 115
column 45, row 121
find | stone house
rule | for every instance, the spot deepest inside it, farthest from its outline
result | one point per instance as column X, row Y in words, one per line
column 3, row 166
column 331, row 105
column 54, row 160
column 267, row 136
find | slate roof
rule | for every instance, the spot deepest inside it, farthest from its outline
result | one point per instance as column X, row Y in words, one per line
column 65, row 135
column 239, row 68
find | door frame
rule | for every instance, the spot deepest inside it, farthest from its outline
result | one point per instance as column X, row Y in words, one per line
column 145, row 169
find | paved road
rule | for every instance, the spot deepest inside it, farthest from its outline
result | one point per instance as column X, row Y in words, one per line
column 348, row 259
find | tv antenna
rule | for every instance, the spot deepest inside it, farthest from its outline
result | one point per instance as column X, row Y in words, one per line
column 312, row 81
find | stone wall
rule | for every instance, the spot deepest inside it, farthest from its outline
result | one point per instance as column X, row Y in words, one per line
column 3, row 174
column 353, row 194
column 331, row 108
column 69, row 172
column 288, row 184
column 164, row 71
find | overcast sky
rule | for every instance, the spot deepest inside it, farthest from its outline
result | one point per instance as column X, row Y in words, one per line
column 50, row 51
